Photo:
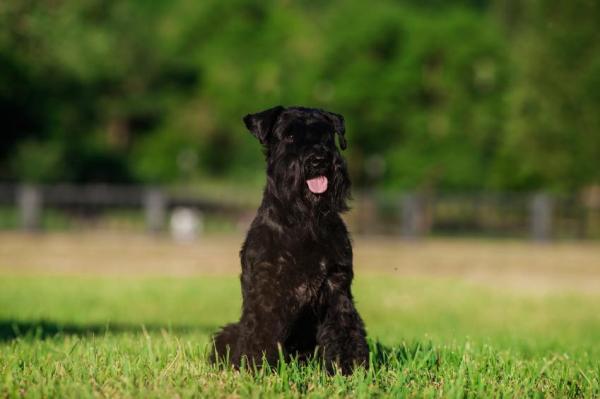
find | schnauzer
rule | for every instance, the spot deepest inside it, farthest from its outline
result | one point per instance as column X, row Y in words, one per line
column 297, row 256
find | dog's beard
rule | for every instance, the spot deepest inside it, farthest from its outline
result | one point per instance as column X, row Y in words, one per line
column 307, row 197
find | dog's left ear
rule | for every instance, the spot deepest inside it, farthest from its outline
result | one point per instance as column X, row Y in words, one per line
column 261, row 124
column 339, row 126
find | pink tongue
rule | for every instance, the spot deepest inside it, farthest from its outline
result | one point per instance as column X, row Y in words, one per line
column 317, row 185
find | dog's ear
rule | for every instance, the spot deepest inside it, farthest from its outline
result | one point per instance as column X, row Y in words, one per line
column 261, row 124
column 339, row 127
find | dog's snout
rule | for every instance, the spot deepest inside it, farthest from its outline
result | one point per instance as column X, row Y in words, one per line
column 317, row 160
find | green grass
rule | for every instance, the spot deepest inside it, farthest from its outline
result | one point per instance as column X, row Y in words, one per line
column 147, row 337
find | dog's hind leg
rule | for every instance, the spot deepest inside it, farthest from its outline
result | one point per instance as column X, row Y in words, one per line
column 225, row 343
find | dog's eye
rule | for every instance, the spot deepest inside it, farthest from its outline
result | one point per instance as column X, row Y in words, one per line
column 289, row 137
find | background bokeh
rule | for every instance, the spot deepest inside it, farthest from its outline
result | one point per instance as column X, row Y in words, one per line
column 127, row 182
column 450, row 95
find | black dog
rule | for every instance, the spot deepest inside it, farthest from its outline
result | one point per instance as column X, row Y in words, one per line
column 297, row 257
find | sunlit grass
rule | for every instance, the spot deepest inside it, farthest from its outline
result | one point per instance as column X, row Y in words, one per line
column 148, row 337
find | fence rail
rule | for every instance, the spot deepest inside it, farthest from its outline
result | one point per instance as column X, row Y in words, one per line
column 539, row 216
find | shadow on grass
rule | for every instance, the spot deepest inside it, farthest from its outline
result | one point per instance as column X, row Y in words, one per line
column 422, row 354
column 414, row 355
column 43, row 329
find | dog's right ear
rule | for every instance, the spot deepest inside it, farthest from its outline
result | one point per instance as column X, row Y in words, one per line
column 261, row 124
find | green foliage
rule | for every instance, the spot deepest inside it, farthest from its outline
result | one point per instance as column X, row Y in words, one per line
column 162, row 157
column 462, row 94
column 553, row 133
column 37, row 161
column 148, row 337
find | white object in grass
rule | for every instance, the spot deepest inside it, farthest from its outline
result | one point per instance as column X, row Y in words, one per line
column 186, row 224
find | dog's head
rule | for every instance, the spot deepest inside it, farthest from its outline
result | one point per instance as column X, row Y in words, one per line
column 305, row 169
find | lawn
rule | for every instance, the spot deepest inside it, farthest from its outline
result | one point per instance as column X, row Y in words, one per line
column 143, row 335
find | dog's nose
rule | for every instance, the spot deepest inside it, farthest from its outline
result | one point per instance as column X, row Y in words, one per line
column 317, row 160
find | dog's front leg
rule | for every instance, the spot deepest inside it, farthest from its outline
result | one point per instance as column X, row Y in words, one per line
column 266, row 317
column 341, row 334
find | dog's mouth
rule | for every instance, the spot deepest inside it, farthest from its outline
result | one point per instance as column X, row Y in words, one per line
column 317, row 185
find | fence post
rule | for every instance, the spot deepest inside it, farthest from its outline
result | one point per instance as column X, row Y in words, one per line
column 413, row 216
column 155, row 209
column 367, row 216
column 29, row 198
column 541, row 211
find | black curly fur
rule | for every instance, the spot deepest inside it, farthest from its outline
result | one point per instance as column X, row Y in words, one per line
column 297, row 256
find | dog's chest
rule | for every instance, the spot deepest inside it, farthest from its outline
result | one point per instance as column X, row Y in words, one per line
column 310, row 278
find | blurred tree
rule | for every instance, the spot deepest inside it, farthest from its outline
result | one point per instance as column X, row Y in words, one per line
column 423, row 91
column 553, row 132
column 460, row 94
